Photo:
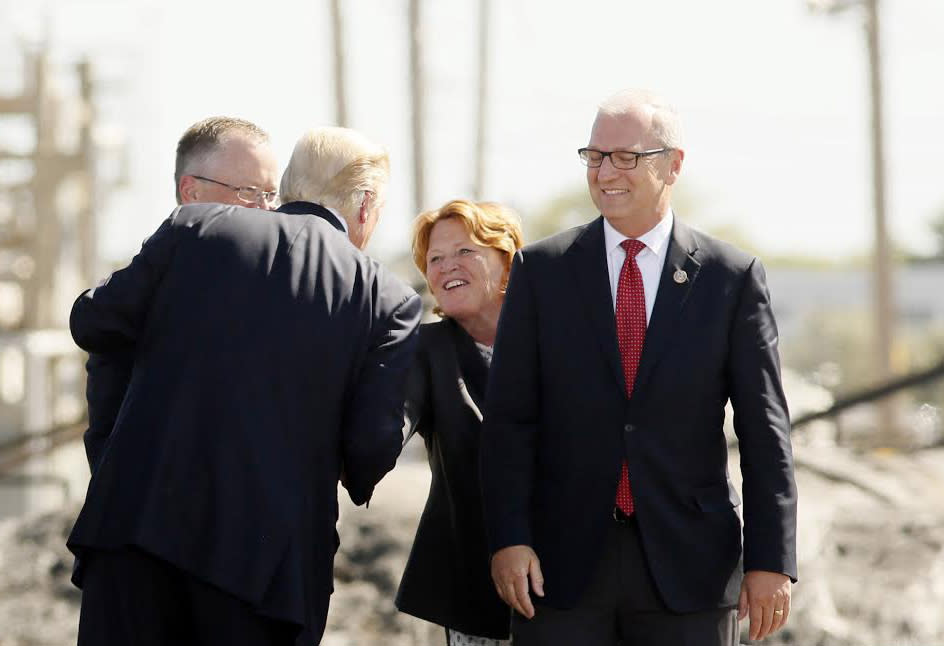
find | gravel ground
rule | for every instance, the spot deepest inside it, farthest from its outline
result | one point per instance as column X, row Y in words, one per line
column 871, row 559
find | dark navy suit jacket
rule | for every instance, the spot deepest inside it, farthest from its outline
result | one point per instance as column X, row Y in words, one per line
column 558, row 423
column 268, row 357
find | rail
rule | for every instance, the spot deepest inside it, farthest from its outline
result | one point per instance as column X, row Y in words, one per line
column 874, row 393
column 22, row 448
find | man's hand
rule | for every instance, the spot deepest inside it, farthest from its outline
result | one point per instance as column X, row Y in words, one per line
column 766, row 597
column 511, row 568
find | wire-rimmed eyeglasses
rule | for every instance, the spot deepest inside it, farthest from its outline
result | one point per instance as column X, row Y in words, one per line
column 247, row 194
column 621, row 159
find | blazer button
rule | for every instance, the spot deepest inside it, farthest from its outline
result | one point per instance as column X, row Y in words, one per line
column 629, row 428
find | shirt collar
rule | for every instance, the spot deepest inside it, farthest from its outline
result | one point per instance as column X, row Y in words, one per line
column 654, row 239
column 303, row 207
column 340, row 219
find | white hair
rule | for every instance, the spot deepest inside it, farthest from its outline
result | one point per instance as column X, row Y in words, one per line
column 666, row 124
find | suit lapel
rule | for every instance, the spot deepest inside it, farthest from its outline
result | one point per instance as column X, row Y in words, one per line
column 447, row 355
column 588, row 259
column 468, row 400
column 670, row 299
column 472, row 368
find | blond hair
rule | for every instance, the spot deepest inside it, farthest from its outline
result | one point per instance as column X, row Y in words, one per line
column 334, row 167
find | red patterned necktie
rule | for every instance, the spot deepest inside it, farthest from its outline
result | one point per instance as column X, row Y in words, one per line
column 630, row 333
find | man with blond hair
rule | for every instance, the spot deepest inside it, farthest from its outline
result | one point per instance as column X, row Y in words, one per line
column 604, row 461
column 269, row 359
column 339, row 175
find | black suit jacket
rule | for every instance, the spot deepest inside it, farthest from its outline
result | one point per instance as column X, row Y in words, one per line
column 108, row 374
column 268, row 359
column 446, row 580
column 558, row 422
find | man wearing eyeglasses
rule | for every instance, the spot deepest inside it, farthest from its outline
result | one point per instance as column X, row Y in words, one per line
column 219, row 159
column 269, row 355
column 608, row 506
column 228, row 161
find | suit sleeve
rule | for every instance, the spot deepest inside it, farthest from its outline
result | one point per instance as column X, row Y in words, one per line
column 415, row 416
column 106, row 384
column 762, row 424
column 110, row 317
column 510, row 425
column 372, row 435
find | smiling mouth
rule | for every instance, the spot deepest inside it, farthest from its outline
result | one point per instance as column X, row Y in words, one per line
column 615, row 191
column 452, row 284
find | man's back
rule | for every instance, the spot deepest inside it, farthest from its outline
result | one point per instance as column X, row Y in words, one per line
column 267, row 357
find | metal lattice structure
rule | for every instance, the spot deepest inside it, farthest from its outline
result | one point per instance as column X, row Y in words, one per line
column 50, row 195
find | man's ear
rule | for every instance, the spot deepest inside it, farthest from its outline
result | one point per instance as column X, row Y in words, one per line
column 677, row 160
column 364, row 212
column 188, row 189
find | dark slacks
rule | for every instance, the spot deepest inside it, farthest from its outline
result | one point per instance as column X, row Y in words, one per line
column 622, row 607
column 130, row 598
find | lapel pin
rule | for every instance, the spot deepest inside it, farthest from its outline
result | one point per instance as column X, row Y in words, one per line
column 680, row 276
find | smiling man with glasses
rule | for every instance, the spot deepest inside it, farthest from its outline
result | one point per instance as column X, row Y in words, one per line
column 609, row 511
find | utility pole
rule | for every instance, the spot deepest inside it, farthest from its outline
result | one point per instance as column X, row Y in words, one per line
column 87, row 228
column 883, row 298
column 47, row 249
column 50, row 169
column 340, row 88
column 884, row 304
column 481, row 130
column 417, row 99
column 40, row 233
column 51, row 235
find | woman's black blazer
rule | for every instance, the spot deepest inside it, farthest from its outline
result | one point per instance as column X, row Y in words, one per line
column 447, row 579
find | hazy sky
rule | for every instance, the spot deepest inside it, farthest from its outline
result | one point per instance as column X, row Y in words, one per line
column 774, row 99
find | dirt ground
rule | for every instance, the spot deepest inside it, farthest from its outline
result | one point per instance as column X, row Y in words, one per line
column 871, row 549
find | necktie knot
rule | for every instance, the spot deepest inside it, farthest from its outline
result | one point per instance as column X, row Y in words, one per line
column 632, row 247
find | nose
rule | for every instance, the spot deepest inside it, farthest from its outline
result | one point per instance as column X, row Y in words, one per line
column 258, row 202
column 271, row 203
column 606, row 169
column 450, row 262
column 264, row 201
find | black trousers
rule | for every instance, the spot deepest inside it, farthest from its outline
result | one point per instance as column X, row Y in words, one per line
column 130, row 598
column 622, row 607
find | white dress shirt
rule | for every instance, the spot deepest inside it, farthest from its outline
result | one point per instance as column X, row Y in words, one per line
column 338, row 216
column 650, row 260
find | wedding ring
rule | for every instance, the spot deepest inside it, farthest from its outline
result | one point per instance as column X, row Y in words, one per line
column 778, row 612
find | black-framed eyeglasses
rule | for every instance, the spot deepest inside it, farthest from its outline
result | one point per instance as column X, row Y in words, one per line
column 247, row 194
column 621, row 159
